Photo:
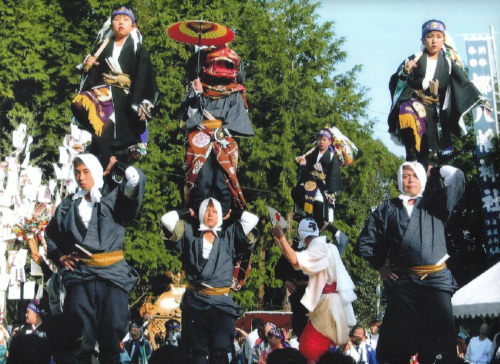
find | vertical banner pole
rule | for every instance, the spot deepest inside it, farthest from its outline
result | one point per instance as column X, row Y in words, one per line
column 486, row 129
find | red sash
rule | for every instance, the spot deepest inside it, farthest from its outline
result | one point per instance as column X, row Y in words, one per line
column 330, row 288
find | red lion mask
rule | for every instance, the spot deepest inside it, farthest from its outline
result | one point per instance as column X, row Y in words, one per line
column 221, row 62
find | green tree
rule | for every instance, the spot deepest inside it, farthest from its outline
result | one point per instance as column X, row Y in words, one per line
column 293, row 91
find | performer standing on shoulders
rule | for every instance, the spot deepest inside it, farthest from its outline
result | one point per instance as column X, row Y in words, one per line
column 214, row 111
column 329, row 293
column 320, row 181
column 86, row 236
column 118, row 93
column 410, row 231
column 207, row 254
column 430, row 95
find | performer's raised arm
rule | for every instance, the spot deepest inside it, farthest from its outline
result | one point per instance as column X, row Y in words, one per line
column 404, row 239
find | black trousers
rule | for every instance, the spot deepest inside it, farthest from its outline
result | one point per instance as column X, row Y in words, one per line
column 211, row 183
column 417, row 319
column 208, row 335
column 103, row 308
column 299, row 311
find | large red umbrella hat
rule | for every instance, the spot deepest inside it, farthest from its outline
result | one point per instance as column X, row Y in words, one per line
column 200, row 33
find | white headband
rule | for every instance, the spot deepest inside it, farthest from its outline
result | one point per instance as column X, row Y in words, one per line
column 419, row 171
column 96, row 171
column 201, row 215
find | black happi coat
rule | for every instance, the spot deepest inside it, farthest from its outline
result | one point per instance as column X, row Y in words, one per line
column 216, row 271
column 412, row 241
column 457, row 95
column 331, row 168
column 27, row 329
column 105, row 234
column 136, row 64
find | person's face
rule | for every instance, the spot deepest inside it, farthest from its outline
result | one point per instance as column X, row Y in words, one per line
column 171, row 332
column 411, row 184
column 484, row 329
column 358, row 336
column 84, row 177
column 264, row 331
column 122, row 26
column 135, row 333
column 433, row 41
column 323, row 142
column 31, row 317
column 273, row 341
column 211, row 216
column 374, row 329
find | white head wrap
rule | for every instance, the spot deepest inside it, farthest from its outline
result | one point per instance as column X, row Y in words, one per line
column 307, row 227
column 95, row 169
column 201, row 215
column 419, row 171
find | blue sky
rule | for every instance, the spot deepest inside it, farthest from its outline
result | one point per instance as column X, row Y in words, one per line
column 381, row 34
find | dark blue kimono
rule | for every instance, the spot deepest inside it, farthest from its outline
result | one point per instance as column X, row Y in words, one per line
column 98, row 294
column 419, row 307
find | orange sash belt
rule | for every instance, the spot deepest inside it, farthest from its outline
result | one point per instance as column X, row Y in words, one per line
column 209, row 291
column 423, row 270
column 104, row 259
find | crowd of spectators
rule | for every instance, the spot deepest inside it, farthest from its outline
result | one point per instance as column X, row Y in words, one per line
column 46, row 338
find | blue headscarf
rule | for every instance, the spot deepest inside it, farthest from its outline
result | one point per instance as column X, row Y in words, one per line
column 431, row 25
column 326, row 133
column 35, row 307
column 125, row 11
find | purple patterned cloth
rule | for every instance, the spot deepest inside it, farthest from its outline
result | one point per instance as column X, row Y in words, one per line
column 417, row 110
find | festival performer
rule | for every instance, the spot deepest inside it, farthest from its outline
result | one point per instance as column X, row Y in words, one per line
column 118, row 92
column 320, row 180
column 296, row 282
column 330, row 290
column 86, row 236
column 214, row 111
column 207, row 253
column 36, row 313
column 430, row 95
column 410, row 231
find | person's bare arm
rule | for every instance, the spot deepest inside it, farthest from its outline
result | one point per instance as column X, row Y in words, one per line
column 285, row 248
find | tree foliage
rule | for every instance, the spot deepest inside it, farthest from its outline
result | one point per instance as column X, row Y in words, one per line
column 293, row 90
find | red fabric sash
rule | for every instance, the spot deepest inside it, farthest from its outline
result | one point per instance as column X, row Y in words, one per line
column 330, row 288
column 198, row 148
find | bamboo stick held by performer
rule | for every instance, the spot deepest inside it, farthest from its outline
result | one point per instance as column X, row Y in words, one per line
column 430, row 96
column 91, row 60
column 118, row 92
column 320, row 179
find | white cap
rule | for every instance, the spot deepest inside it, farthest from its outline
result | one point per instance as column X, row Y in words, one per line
column 307, row 227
